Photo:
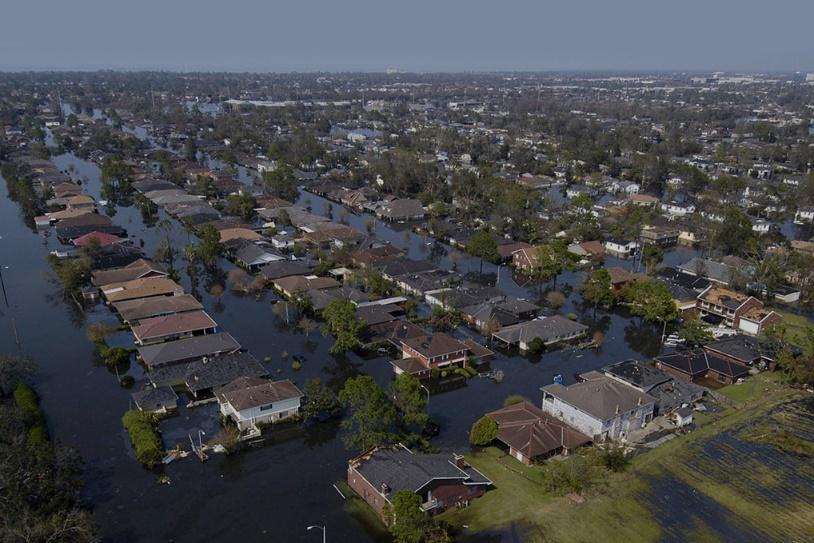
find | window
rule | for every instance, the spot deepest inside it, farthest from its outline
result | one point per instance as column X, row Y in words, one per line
column 267, row 407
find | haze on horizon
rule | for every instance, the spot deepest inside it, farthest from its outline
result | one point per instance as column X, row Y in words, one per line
column 420, row 36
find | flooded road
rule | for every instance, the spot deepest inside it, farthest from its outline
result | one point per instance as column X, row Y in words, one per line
column 273, row 492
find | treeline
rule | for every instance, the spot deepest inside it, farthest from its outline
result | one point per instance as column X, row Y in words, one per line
column 40, row 480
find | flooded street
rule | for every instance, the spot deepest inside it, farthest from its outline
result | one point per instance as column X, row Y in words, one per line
column 273, row 492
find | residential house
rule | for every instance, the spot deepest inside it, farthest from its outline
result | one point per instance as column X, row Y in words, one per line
column 253, row 256
column 252, row 401
column 298, row 284
column 550, row 330
column 141, row 288
column 442, row 480
column 736, row 310
column 699, row 364
column 660, row 236
column 174, row 326
column 403, row 209
column 600, row 407
column 139, row 269
column 670, row 393
column 132, row 311
column 621, row 248
column 187, row 350
column 530, row 433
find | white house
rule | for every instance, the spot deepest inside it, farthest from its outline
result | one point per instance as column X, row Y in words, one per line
column 600, row 407
column 677, row 209
column 620, row 247
column 250, row 401
column 803, row 215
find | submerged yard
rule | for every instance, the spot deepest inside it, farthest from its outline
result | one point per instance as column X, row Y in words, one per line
column 722, row 482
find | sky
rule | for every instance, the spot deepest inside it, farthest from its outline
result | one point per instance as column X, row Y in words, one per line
column 408, row 35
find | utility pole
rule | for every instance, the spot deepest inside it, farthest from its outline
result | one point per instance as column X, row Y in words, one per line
column 3, row 284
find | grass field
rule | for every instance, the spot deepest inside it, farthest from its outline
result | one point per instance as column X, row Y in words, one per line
column 798, row 328
column 753, row 485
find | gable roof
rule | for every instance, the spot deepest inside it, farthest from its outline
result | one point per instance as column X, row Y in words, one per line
column 141, row 288
column 177, row 323
column 188, row 349
column 135, row 270
column 434, row 344
column 144, row 308
column 249, row 392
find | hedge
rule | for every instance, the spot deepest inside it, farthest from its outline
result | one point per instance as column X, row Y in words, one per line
column 26, row 400
column 144, row 437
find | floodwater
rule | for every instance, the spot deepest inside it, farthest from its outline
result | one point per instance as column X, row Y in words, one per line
column 271, row 493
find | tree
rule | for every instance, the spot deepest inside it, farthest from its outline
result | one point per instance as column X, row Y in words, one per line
column 343, row 324
column 281, row 183
column 652, row 256
column 410, row 399
column 14, row 370
column 483, row 431
column 372, row 414
column 319, row 400
column 210, row 248
column 241, row 205
column 405, row 520
column 695, row 332
column 735, row 234
column 596, row 290
column 483, row 246
column 651, row 301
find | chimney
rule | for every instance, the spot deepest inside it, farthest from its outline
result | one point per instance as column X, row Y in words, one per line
column 617, row 409
column 458, row 460
column 639, row 401
column 385, row 489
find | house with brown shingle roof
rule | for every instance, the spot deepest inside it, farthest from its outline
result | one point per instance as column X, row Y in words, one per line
column 531, row 433
column 141, row 288
column 175, row 326
column 250, row 401
column 138, row 269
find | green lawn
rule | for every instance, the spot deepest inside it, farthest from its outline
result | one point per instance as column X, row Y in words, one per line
column 798, row 328
column 752, row 389
column 618, row 509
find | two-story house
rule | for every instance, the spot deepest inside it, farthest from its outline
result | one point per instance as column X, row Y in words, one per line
column 250, row 401
column 600, row 407
column 736, row 310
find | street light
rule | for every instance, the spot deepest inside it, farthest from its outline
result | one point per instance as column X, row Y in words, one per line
column 200, row 441
column 323, row 528
column 428, row 393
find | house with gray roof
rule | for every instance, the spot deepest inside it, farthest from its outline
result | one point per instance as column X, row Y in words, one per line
column 550, row 330
column 442, row 480
column 600, row 407
column 187, row 350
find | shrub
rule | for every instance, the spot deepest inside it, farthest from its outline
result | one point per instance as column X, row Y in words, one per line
column 572, row 316
column 536, row 345
column 116, row 356
column 127, row 381
column 144, row 437
column 483, row 432
column 472, row 372
column 614, row 457
column 26, row 400
column 296, row 365
column 574, row 474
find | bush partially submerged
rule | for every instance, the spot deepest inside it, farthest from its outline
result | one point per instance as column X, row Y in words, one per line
column 146, row 441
